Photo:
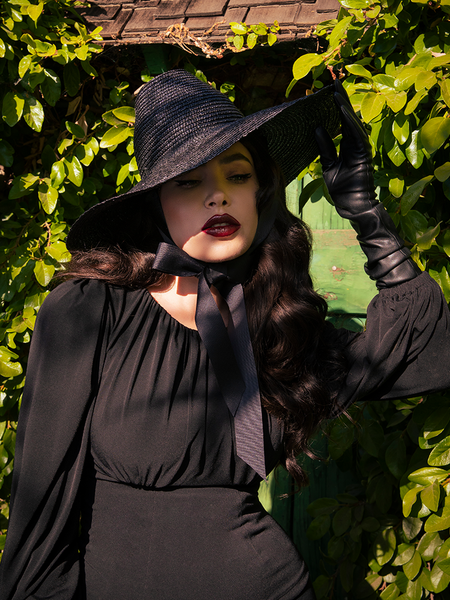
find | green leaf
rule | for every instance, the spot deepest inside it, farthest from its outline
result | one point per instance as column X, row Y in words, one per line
column 43, row 272
column 444, row 565
column 238, row 42
column 438, row 521
column 124, row 113
column 75, row 130
column 338, row 33
column 74, row 170
column 428, row 545
column 115, row 136
column 427, row 239
column 390, row 593
column 405, row 552
column 439, row 579
column 413, row 193
column 24, row 64
column 123, row 173
column 412, row 568
column 341, row 438
column 436, row 422
column 430, row 496
column 406, row 77
column 51, row 87
column 238, row 28
column 346, row 569
column 12, row 110
column 414, row 102
column 6, row 154
column 358, row 70
column 427, row 475
column 442, row 173
column 384, row 546
column 440, row 455
column 57, row 174
column 71, row 76
column 396, row 186
column 445, row 90
column 396, row 154
column 252, row 38
column 400, row 128
column 271, row 39
column 434, row 133
column 322, row 586
column 342, row 520
column 305, row 63
column 308, row 191
column 371, row 106
column 48, row 197
column 322, row 506
column 414, row 152
column 10, row 369
column 319, row 527
column 58, row 251
column 33, row 113
column 411, row 527
column 371, row 437
column 425, row 80
column 395, row 100
column 35, row 10
column 396, row 458
column 409, row 499
column 22, row 186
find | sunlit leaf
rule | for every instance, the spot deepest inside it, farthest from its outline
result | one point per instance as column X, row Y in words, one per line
column 413, row 193
column 303, row 65
column 33, row 113
column 434, row 133
column 43, row 272
column 115, row 136
column 371, row 106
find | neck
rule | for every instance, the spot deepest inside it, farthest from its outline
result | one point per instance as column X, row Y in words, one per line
column 178, row 297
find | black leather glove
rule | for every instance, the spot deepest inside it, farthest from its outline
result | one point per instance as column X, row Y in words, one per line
column 349, row 179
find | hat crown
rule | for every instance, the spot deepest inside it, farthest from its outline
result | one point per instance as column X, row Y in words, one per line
column 173, row 111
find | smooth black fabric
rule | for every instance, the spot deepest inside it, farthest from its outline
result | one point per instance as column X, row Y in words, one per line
column 162, row 437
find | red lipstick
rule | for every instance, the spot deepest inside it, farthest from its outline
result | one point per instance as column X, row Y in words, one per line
column 221, row 225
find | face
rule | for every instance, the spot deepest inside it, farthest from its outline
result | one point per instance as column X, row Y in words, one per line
column 211, row 211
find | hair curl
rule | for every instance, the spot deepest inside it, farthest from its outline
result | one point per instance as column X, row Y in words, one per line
column 299, row 371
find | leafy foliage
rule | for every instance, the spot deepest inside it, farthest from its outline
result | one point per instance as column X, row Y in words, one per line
column 66, row 142
column 390, row 539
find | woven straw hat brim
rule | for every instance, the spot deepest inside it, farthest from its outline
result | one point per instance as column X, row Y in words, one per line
column 288, row 128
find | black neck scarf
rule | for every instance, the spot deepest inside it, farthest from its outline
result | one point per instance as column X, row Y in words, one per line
column 229, row 349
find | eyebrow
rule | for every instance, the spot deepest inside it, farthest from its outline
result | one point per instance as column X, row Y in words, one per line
column 233, row 157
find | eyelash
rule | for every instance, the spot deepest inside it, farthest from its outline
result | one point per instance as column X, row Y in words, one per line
column 190, row 183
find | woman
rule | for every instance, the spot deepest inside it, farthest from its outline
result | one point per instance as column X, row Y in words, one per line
column 162, row 399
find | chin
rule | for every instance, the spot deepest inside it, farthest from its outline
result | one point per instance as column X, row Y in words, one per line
column 215, row 255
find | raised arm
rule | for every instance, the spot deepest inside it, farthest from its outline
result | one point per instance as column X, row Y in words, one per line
column 349, row 179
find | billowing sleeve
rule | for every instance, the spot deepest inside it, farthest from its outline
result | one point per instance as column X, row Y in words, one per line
column 40, row 558
column 405, row 348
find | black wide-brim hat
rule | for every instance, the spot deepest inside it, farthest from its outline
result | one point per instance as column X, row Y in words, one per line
column 182, row 123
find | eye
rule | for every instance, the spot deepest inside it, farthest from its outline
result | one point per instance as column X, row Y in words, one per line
column 240, row 177
column 186, row 183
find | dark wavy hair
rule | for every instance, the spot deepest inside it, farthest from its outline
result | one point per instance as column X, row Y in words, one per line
column 299, row 371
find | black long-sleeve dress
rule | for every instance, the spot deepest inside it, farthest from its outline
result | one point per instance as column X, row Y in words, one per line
column 122, row 420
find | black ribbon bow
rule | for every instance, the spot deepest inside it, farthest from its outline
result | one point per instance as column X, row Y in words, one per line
column 230, row 352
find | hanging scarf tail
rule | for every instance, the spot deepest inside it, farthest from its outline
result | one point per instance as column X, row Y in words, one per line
column 230, row 352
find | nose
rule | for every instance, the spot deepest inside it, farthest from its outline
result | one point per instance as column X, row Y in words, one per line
column 216, row 198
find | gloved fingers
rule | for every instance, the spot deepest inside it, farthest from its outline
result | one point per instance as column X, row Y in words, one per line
column 354, row 136
column 327, row 149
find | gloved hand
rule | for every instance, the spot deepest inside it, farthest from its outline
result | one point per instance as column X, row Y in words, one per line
column 349, row 179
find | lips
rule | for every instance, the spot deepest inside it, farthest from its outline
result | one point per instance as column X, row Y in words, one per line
column 221, row 225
